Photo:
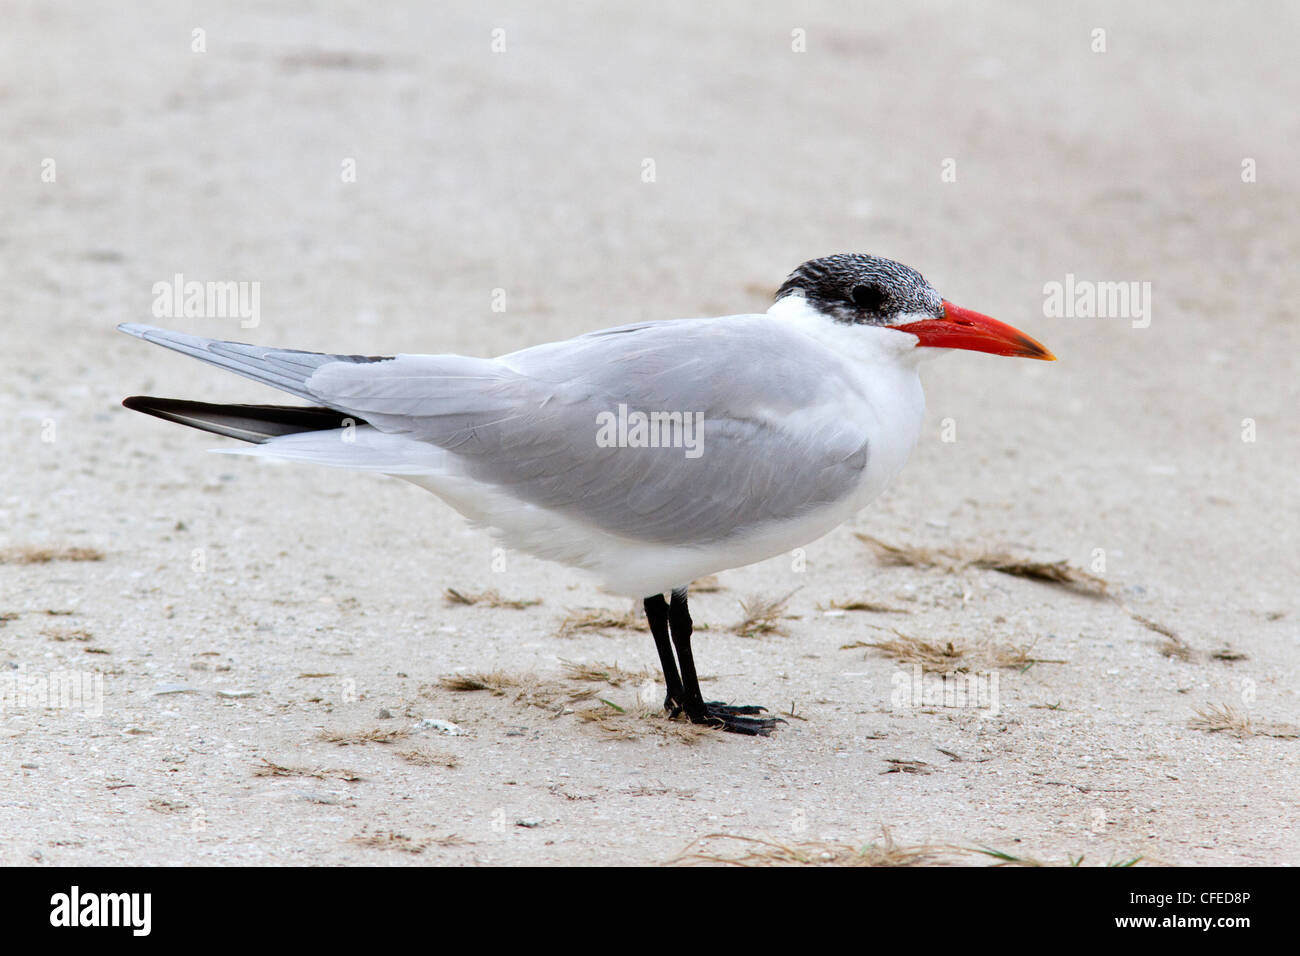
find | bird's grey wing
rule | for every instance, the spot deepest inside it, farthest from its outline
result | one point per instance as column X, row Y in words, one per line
column 771, row 445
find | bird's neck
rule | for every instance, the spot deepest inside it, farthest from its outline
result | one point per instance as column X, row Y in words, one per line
column 864, row 345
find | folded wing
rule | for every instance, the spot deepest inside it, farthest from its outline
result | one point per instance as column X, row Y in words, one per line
column 770, row 444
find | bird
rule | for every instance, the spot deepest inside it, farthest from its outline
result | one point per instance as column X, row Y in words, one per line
column 649, row 454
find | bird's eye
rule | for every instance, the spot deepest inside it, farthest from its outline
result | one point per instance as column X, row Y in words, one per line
column 869, row 297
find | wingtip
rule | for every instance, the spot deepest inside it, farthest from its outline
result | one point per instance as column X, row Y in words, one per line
column 135, row 328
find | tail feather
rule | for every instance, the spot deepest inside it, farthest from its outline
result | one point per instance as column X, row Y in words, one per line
column 250, row 423
column 285, row 369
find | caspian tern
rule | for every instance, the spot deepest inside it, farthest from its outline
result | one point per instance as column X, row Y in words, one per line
column 649, row 454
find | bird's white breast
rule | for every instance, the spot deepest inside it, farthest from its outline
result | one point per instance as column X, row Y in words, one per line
column 887, row 397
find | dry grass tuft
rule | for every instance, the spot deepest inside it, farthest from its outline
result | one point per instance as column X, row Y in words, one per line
column 906, row 556
column 599, row 619
column 1173, row 646
column 376, row 735
column 640, row 721
column 761, row 615
column 1017, row 657
column 30, row 555
column 1221, row 718
column 391, row 840
column 1176, row 650
column 1008, row 859
column 451, row 839
column 497, row 682
column 1048, row 572
column 912, row 650
column 610, row 674
column 706, row 585
column 489, row 598
column 954, row 655
column 1159, row 628
column 731, row 850
column 268, row 768
column 874, row 607
column 577, row 694
column 522, row 689
column 1060, row 573
column 429, row 758
column 68, row 634
column 159, row 805
column 898, row 765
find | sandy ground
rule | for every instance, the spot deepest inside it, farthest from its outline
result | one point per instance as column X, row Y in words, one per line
column 242, row 612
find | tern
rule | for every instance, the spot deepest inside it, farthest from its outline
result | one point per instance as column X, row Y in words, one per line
column 649, row 454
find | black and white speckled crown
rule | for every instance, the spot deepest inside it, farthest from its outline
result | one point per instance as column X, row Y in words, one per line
column 859, row 289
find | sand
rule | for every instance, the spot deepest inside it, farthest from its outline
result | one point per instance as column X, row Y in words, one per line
column 242, row 614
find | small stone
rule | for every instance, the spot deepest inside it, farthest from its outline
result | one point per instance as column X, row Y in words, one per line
column 328, row 799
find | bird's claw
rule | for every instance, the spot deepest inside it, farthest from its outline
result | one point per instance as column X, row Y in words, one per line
column 733, row 718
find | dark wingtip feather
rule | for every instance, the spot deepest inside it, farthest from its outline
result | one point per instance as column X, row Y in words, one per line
column 250, row 423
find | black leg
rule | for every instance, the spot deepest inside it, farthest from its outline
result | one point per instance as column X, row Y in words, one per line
column 738, row 719
column 656, row 615
column 679, row 620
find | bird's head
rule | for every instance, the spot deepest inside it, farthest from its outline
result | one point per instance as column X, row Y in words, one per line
column 858, row 289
